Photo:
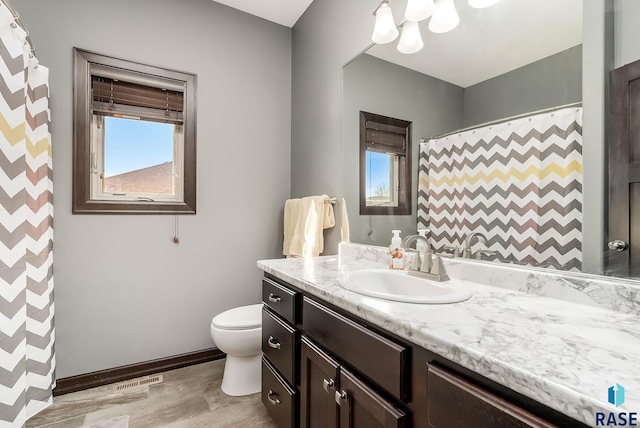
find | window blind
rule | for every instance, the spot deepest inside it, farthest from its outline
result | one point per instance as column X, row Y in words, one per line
column 112, row 97
column 381, row 137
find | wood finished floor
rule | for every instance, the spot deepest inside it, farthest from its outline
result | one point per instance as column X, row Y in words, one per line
column 187, row 398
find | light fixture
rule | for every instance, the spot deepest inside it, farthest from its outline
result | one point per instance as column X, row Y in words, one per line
column 410, row 41
column 445, row 18
column 419, row 10
column 479, row 4
column 385, row 30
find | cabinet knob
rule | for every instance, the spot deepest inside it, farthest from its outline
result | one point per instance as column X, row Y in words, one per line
column 274, row 298
column 273, row 398
column 326, row 384
column 340, row 397
column 272, row 343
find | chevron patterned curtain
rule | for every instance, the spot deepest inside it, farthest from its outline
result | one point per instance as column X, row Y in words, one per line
column 518, row 182
column 26, row 230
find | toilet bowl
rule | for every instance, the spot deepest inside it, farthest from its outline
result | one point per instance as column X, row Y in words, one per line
column 238, row 333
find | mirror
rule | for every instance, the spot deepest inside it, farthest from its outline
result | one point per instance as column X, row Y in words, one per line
column 496, row 64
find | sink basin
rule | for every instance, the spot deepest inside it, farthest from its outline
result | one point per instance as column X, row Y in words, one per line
column 399, row 286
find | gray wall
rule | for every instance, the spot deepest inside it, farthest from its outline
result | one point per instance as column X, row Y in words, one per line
column 124, row 292
column 627, row 22
column 376, row 86
column 550, row 82
column 325, row 38
column 597, row 61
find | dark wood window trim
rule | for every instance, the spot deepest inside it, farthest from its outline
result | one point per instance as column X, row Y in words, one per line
column 400, row 146
column 84, row 63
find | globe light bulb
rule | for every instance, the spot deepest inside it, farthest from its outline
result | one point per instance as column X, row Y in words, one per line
column 410, row 41
column 385, row 30
column 445, row 18
column 419, row 10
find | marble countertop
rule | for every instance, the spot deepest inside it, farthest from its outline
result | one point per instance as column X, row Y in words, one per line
column 562, row 354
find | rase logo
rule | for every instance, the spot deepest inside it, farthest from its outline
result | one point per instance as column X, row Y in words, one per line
column 615, row 396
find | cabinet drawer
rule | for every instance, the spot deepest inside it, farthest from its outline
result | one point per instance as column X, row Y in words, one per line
column 281, row 300
column 383, row 361
column 454, row 402
column 279, row 344
column 279, row 398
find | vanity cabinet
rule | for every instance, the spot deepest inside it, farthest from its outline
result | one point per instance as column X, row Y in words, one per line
column 331, row 393
column 326, row 368
column 280, row 349
column 356, row 344
column 331, row 396
column 318, row 384
column 454, row 402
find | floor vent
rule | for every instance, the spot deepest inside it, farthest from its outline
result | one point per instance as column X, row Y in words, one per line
column 143, row 381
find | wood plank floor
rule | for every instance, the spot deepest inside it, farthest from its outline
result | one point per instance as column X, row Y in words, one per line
column 187, row 398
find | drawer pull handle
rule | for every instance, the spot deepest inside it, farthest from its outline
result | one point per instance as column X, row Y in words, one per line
column 326, row 384
column 340, row 396
column 274, row 401
column 272, row 343
column 273, row 298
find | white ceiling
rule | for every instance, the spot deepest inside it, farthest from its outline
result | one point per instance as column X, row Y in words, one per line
column 283, row 12
column 487, row 42
column 492, row 41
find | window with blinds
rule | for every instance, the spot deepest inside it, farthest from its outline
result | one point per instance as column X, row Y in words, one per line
column 117, row 98
column 134, row 137
column 385, row 165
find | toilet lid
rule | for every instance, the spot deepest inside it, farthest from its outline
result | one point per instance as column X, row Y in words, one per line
column 240, row 318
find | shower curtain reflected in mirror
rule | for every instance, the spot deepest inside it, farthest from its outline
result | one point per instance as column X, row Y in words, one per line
column 518, row 182
column 26, row 229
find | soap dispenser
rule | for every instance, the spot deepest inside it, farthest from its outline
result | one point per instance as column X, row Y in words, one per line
column 396, row 251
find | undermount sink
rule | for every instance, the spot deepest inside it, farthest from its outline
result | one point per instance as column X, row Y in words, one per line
column 399, row 286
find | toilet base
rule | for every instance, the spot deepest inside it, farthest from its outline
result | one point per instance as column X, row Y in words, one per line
column 242, row 375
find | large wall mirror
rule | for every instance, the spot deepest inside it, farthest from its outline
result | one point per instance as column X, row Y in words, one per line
column 502, row 64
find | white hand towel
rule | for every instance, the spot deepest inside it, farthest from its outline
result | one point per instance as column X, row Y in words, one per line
column 304, row 221
column 344, row 222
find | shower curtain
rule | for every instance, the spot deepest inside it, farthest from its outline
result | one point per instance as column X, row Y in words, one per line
column 518, row 182
column 26, row 230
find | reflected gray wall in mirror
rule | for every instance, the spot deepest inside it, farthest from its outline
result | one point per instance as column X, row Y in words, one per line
column 552, row 81
column 377, row 86
column 437, row 107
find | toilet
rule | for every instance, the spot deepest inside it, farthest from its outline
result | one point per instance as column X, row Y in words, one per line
column 238, row 333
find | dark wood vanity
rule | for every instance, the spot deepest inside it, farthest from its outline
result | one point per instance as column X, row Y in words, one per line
column 324, row 367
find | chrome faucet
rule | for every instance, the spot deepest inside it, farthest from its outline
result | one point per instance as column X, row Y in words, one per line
column 408, row 240
column 469, row 242
column 423, row 265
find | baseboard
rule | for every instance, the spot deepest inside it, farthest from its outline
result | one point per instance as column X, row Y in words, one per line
column 119, row 374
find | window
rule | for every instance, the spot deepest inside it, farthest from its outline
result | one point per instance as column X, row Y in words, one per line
column 385, row 165
column 134, row 137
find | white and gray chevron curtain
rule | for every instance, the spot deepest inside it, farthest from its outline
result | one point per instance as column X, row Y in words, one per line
column 518, row 182
column 26, row 230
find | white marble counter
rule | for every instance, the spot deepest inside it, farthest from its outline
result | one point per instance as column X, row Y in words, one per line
column 562, row 354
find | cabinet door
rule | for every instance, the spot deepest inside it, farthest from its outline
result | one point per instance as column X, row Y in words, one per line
column 453, row 402
column 362, row 407
column 318, row 379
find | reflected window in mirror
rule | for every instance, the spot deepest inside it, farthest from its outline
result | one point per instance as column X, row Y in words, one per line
column 134, row 139
column 385, row 165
